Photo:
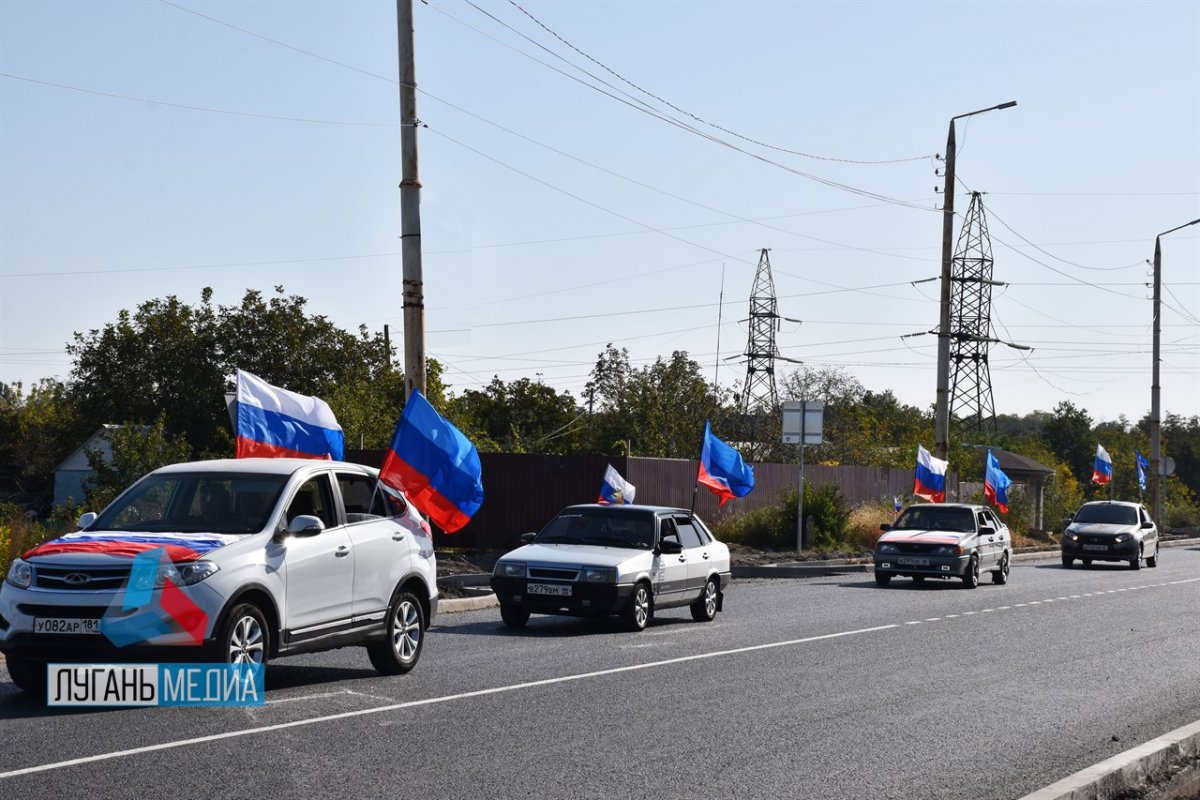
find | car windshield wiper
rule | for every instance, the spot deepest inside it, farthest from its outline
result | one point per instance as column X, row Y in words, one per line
column 609, row 540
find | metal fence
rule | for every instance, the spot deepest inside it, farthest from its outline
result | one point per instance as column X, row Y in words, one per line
column 522, row 492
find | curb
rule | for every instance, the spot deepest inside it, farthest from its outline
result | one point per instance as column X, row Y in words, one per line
column 457, row 604
column 1128, row 772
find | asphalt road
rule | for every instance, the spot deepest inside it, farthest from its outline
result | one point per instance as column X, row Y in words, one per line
column 821, row 688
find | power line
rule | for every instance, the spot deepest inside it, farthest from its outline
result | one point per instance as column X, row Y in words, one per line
column 668, row 103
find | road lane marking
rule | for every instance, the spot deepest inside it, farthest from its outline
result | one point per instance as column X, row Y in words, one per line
column 153, row 748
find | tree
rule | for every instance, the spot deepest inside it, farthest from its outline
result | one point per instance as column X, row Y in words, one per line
column 136, row 450
column 37, row 431
column 1068, row 432
column 522, row 416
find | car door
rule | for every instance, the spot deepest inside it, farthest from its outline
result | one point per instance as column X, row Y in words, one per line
column 382, row 548
column 989, row 553
column 699, row 559
column 319, row 568
column 670, row 578
column 1149, row 535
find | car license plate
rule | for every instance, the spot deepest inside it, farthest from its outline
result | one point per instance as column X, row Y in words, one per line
column 909, row 561
column 65, row 625
column 1095, row 547
column 558, row 590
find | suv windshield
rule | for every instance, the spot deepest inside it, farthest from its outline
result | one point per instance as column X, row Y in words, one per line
column 1105, row 513
column 599, row 528
column 203, row 502
column 932, row 518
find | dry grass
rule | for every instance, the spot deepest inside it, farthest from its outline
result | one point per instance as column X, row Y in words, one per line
column 863, row 529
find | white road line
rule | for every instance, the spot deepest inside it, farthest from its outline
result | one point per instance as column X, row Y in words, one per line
column 951, row 616
column 428, row 702
column 914, row 622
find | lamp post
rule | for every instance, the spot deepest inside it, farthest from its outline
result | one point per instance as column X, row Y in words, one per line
column 942, row 410
column 1155, row 412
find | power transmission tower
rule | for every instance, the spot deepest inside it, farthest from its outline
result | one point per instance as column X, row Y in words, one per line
column 971, row 323
column 759, row 395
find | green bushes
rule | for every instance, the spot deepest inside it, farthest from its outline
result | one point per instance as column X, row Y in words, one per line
column 19, row 533
column 774, row 527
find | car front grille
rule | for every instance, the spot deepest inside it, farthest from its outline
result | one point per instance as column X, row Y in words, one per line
column 916, row 547
column 84, row 579
column 548, row 573
column 65, row 612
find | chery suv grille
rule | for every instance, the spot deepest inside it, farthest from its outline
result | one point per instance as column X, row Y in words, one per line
column 84, row 579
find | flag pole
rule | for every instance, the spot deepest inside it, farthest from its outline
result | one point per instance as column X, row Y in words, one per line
column 696, row 481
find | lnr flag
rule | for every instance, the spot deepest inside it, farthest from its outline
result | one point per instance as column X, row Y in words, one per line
column 1142, row 466
column 722, row 469
column 434, row 465
column 615, row 489
column 929, row 480
column 995, row 484
column 276, row 423
column 1102, row 468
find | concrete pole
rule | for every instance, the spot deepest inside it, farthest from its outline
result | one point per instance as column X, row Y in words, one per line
column 410, row 208
column 941, row 421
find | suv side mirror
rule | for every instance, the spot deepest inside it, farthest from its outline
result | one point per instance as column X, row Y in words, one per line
column 885, row 527
column 1147, row 524
column 305, row 525
column 526, row 538
column 86, row 520
column 670, row 547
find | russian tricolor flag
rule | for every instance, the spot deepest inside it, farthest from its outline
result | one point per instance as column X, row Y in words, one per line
column 435, row 466
column 615, row 489
column 1102, row 468
column 722, row 469
column 930, row 479
column 276, row 423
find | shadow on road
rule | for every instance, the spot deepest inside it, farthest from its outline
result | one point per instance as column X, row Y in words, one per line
column 554, row 627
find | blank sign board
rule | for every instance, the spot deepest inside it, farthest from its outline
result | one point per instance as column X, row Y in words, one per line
column 802, row 421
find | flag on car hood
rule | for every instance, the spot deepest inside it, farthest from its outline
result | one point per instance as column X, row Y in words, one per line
column 179, row 546
column 995, row 484
column 615, row 489
column 722, row 469
column 930, row 479
column 276, row 423
column 1102, row 468
column 435, row 466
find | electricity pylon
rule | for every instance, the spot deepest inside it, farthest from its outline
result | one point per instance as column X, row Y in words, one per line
column 759, row 395
column 971, row 323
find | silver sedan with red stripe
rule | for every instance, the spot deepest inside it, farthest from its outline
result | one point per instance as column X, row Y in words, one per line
column 944, row 540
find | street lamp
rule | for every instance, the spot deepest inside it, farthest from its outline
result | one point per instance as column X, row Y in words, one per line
column 942, row 411
column 1155, row 413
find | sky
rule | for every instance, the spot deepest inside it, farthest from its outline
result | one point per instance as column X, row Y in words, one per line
column 608, row 172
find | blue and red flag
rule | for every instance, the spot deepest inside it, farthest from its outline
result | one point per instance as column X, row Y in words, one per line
column 276, row 423
column 1102, row 467
column 1142, row 466
column 929, row 480
column 722, row 469
column 614, row 489
column 435, row 466
column 995, row 484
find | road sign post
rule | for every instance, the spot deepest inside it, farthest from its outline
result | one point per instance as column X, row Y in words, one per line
column 802, row 424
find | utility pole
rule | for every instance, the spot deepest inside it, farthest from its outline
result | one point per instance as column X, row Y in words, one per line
column 941, row 419
column 410, row 208
column 1155, row 480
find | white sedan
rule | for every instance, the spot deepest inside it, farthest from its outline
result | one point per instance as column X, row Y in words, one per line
column 628, row 560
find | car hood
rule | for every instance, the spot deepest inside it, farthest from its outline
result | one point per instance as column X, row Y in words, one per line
column 927, row 537
column 98, row 546
column 591, row 555
column 1102, row 528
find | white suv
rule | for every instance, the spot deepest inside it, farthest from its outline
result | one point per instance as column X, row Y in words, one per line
column 228, row 561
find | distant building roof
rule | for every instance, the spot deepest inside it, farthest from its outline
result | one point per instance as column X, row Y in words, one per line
column 1017, row 466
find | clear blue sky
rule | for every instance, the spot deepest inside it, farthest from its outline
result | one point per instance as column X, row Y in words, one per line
column 557, row 218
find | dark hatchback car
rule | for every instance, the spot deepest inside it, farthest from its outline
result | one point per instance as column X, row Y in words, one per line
column 1111, row 530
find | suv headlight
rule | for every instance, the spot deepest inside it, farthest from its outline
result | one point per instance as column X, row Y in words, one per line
column 598, row 575
column 1122, row 537
column 947, row 550
column 887, row 547
column 510, row 569
column 187, row 574
column 20, row 574
column 1072, row 535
